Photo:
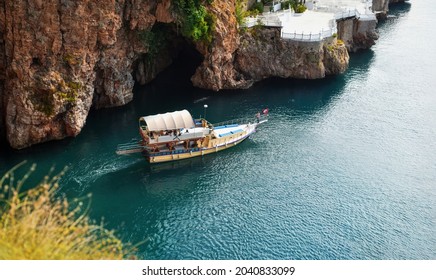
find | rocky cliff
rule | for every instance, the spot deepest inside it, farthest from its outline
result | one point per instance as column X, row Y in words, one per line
column 59, row 58
column 357, row 34
column 238, row 58
column 263, row 53
column 217, row 70
column 382, row 6
column 361, row 33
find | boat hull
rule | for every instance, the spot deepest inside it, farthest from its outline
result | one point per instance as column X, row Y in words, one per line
column 190, row 153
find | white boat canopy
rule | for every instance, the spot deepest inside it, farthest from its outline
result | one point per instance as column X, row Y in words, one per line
column 169, row 121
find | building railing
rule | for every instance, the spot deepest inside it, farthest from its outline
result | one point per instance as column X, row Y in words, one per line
column 263, row 21
column 277, row 7
column 235, row 121
column 271, row 22
column 240, row 121
column 271, row 19
column 347, row 14
column 310, row 37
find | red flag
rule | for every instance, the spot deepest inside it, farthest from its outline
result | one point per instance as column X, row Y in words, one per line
column 265, row 111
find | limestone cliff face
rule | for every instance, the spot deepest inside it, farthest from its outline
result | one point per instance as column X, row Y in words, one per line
column 262, row 54
column 2, row 70
column 357, row 34
column 217, row 70
column 60, row 57
column 237, row 61
column 382, row 6
column 361, row 33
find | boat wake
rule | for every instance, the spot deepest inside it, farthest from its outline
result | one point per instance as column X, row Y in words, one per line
column 84, row 173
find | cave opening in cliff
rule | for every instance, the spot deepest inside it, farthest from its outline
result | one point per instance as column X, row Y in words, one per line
column 170, row 58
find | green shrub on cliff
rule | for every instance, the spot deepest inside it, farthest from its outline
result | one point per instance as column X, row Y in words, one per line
column 297, row 5
column 239, row 11
column 51, row 90
column 34, row 224
column 69, row 91
column 300, row 8
column 196, row 22
column 256, row 9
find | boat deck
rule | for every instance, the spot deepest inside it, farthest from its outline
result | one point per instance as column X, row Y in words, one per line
column 219, row 132
column 226, row 130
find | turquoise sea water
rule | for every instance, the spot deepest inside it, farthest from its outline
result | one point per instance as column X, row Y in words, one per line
column 344, row 169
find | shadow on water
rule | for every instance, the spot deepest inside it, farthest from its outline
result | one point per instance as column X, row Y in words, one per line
column 302, row 98
column 172, row 89
column 399, row 9
column 396, row 11
column 92, row 151
column 360, row 62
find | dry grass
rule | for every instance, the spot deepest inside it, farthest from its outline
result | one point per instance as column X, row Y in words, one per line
column 35, row 225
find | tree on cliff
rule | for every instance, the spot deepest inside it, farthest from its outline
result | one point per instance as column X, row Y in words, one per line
column 297, row 5
column 196, row 22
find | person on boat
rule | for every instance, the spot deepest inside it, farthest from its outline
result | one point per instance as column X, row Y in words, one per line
column 155, row 149
column 258, row 117
column 265, row 111
column 170, row 146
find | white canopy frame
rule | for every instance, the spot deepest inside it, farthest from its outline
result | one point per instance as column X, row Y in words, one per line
column 169, row 121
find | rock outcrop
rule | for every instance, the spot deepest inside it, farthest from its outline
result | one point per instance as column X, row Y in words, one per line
column 361, row 33
column 382, row 7
column 236, row 60
column 217, row 70
column 357, row 34
column 263, row 53
column 2, row 71
column 58, row 58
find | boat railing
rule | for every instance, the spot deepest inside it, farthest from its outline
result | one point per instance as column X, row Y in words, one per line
column 234, row 121
column 239, row 121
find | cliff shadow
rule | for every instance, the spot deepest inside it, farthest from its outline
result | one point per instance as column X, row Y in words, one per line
column 293, row 97
column 399, row 8
column 396, row 10
column 165, row 71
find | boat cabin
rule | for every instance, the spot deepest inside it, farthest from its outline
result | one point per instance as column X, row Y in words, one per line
column 174, row 127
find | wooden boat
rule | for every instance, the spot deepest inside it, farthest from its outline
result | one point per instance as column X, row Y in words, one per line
column 177, row 135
